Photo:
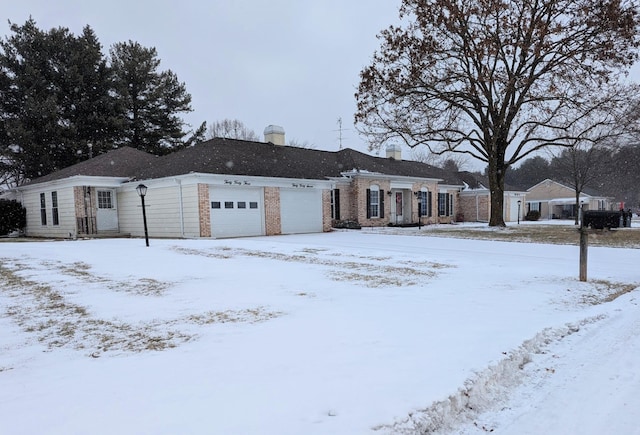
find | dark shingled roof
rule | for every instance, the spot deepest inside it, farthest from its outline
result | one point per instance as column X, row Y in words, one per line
column 122, row 162
column 240, row 157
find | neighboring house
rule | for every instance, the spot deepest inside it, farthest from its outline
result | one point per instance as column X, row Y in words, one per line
column 233, row 188
column 475, row 199
column 555, row 200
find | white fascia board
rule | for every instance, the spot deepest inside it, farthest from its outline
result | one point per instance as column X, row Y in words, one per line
column 392, row 178
column 76, row 180
column 238, row 180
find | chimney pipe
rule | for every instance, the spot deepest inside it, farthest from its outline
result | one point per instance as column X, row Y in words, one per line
column 274, row 134
column 394, row 151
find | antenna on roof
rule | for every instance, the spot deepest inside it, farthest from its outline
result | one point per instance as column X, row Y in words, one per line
column 340, row 130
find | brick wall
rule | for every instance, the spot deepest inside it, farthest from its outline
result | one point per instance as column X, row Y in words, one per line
column 326, row 210
column 467, row 204
column 204, row 210
column 85, row 209
column 359, row 205
column 272, row 211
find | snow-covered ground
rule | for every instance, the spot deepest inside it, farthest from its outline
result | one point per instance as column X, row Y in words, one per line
column 338, row 333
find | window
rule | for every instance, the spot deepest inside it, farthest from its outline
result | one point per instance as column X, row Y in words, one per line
column 375, row 202
column 242, row 204
column 253, row 205
column 228, row 204
column 442, row 204
column 534, row 206
column 104, row 199
column 215, row 204
column 43, row 209
column 54, row 208
column 424, row 203
column 445, row 204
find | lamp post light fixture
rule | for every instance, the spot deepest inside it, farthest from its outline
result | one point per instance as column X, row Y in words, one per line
column 142, row 191
column 519, row 202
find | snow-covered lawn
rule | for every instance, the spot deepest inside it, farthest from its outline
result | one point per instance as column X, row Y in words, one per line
column 339, row 333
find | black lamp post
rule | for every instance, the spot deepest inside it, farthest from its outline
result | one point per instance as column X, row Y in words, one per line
column 142, row 191
column 519, row 202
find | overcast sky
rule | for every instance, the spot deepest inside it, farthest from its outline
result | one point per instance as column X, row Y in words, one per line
column 293, row 63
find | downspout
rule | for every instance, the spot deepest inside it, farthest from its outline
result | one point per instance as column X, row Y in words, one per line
column 179, row 182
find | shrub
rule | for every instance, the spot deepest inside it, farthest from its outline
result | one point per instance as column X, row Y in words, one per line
column 13, row 216
column 532, row 215
column 351, row 225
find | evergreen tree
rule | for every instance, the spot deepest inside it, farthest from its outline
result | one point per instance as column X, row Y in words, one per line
column 56, row 100
column 151, row 99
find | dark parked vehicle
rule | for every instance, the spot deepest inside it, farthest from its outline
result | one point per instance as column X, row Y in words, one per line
column 601, row 219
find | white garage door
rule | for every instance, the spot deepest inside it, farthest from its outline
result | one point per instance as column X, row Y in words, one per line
column 236, row 212
column 301, row 211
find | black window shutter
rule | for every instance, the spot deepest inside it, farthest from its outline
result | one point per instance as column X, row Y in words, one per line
column 336, row 203
column 368, row 203
column 429, row 204
column 381, row 204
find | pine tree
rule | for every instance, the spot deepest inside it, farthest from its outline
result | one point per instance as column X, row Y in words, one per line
column 151, row 99
column 56, row 101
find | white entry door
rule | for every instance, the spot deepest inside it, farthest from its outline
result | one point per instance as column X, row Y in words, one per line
column 107, row 214
column 399, row 207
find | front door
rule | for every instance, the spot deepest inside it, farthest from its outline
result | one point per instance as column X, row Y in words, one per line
column 399, row 207
column 107, row 214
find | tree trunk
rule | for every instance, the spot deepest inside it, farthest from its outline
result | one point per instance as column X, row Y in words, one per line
column 578, row 210
column 496, row 187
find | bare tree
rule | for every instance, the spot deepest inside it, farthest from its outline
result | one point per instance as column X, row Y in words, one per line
column 231, row 129
column 499, row 80
column 579, row 167
column 451, row 162
column 301, row 144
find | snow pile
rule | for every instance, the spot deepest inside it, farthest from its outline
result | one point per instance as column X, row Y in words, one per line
column 485, row 390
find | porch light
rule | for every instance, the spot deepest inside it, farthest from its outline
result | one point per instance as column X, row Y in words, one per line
column 142, row 191
column 416, row 193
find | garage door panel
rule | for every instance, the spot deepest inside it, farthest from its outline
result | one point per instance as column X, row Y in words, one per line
column 300, row 211
column 236, row 212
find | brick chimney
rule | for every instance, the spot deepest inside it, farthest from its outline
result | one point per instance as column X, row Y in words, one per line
column 274, row 134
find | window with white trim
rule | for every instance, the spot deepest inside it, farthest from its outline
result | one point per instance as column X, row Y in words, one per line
column 445, row 204
column 54, row 208
column 43, row 209
column 424, row 204
column 105, row 199
column 373, row 202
